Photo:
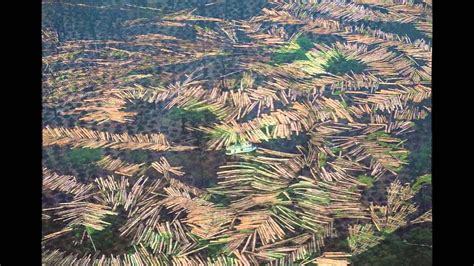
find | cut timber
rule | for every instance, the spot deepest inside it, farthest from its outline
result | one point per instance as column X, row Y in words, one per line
column 119, row 167
column 333, row 259
column 87, row 138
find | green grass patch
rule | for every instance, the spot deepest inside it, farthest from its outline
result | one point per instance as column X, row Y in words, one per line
column 288, row 57
column 294, row 51
column 401, row 155
column 368, row 180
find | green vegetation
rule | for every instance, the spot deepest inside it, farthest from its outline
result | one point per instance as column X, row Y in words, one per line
column 90, row 230
column 72, row 56
column 377, row 134
column 400, row 155
column 213, row 248
column 104, row 239
column 420, row 158
column 420, row 181
column 277, row 87
column 137, row 156
column 118, row 54
column 199, row 28
column 322, row 159
column 275, row 255
column 164, row 235
column 336, row 150
column 219, row 199
column 339, row 64
column 305, row 43
column 192, row 115
column 344, row 104
column 369, row 181
column 83, row 156
column 294, row 51
column 131, row 250
column 394, row 149
column 61, row 78
column 288, row 57
column 421, row 149
column 412, row 248
column 289, row 193
column 322, row 198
